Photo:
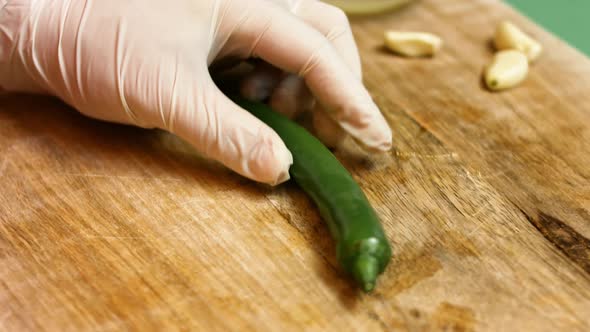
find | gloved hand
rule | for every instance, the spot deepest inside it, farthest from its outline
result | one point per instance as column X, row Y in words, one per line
column 145, row 62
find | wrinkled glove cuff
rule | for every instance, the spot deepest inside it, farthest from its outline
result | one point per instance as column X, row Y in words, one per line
column 13, row 76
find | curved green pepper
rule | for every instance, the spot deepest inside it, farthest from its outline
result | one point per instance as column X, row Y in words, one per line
column 362, row 248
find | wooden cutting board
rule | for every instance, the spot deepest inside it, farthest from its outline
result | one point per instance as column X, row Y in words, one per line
column 486, row 200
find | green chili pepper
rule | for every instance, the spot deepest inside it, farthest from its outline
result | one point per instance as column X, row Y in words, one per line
column 362, row 248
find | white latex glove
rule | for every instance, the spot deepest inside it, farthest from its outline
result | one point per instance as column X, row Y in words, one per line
column 145, row 63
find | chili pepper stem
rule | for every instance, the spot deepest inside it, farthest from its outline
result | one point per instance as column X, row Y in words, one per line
column 366, row 270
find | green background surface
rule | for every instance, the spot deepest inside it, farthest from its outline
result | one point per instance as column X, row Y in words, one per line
column 568, row 19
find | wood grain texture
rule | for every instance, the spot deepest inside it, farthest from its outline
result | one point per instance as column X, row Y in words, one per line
column 486, row 200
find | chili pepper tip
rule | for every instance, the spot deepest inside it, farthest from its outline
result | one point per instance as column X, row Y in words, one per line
column 365, row 271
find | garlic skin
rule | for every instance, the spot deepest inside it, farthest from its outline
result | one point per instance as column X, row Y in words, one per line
column 412, row 44
column 509, row 36
column 507, row 70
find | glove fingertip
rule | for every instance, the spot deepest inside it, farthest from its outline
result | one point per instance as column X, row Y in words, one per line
column 269, row 161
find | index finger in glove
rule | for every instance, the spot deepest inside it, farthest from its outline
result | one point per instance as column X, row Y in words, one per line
column 333, row 23
column 285, row 41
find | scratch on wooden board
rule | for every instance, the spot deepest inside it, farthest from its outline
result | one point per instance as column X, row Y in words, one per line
column 123, row 177
column 113, row 237
column 492, row 175
column 481, row 176
column 112, row 324
column 477, row 181
column 473, row 231
column 480, row 210
column 408, row 155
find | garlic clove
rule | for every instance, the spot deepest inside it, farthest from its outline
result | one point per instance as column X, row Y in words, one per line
column 509, row 36
column 508, row 69
column 412, row 44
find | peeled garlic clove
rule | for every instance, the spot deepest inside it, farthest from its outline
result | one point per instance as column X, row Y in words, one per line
column 508, row 69
column 509, row 36
column 412, row 44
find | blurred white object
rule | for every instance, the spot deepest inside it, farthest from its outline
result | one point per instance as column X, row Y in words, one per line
column 509, row 36
column 365, row 7
column 412, row 44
